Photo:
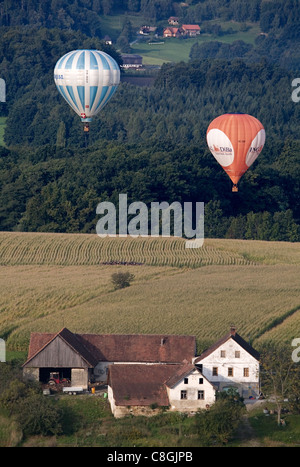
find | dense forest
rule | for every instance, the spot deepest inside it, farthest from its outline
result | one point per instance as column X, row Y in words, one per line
column 87, row 13
column 150, row 141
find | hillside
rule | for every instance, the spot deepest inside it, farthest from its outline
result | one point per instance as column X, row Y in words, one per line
column 149, row 143
column 49, row 281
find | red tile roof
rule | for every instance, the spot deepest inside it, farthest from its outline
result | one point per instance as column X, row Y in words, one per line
column 179, row 374
column 94, row 348
column 141, row 347
column 140, row 385
column 189, row 27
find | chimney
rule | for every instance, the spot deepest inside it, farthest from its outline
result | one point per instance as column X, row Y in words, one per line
column 232, row 330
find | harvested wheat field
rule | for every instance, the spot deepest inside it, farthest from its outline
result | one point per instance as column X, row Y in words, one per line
column 49, row 281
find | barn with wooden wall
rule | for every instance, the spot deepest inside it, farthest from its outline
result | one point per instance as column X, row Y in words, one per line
column 62, row 353
column 83, row 358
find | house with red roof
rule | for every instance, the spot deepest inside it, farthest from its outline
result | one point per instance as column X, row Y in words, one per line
column 191, row 30
column 83, row 358
column 186, row 30
column 145, row 372
column 147, row 389
column 171, row 32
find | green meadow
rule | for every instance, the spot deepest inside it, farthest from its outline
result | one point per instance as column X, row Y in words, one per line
column 159, row 50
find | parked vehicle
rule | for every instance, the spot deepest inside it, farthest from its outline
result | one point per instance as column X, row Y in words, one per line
column 55, row 379
column 73, row 390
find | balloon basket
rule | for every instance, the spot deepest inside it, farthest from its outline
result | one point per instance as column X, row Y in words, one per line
column 235, row 189
column 86, row 132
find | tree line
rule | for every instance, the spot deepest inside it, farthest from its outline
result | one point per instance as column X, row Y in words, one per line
column 50, row 189
column 278, row 42
column 85, row 15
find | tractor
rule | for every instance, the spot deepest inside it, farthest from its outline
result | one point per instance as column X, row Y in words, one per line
column 55, row 379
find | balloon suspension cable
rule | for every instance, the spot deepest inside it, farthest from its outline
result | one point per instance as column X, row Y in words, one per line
column 86, row 131
column 235, row 188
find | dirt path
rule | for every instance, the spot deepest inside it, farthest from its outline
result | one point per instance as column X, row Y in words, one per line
column 246, row 435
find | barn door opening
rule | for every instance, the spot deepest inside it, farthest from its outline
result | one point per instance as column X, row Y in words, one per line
column 55, row 375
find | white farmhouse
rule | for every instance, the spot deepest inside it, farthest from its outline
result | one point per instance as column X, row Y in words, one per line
column 188, row 390
column 146, row 389
column 231, row 362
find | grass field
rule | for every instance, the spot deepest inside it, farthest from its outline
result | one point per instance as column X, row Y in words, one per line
column 112, row 25
column 176, row 50
column 49, row 281
column 168, row 50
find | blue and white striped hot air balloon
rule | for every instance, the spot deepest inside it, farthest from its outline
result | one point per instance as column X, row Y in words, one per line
column 86, row 79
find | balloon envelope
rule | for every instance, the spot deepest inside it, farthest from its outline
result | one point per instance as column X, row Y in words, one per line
column 86, row 79
column 235, row 140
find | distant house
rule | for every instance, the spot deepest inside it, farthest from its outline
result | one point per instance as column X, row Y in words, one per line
column 171, row 32
column 173, row 20
column 191, row 30
column 132, row 61
column 146, row 30
column 146, row 372
column 107, row 40
column 187, row 30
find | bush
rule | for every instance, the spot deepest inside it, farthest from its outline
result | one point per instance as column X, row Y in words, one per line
column 38, row 415
column 216, row 425
column 121, row 280
column 35, row 414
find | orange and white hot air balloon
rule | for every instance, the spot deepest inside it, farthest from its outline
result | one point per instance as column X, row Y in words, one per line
column 235, row 140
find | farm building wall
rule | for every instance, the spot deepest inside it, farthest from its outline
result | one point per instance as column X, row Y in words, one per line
column 101, row 370
column 191, row 393
column 232, row 366
column 79, row 377
column 31, row 374
column 120, row 411
column 57, row 354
